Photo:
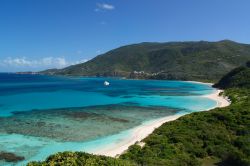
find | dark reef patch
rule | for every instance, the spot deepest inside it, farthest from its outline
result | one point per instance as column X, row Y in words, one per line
column 10, row 157
column 127, row 96
column 81, row 123
column 130, row 103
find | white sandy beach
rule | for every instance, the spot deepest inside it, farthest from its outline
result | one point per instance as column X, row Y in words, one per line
column 221, row 100
column 206, row 83
column 141, row 132
column 138, row 134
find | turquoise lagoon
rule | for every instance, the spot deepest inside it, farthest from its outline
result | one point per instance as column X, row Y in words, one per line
column 41, row 115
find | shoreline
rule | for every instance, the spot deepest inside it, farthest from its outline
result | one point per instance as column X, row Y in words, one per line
column 140, row 132
column 137, row 134
column 222, row 101
column 205, row 83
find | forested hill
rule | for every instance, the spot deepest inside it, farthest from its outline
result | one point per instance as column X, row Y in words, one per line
column 239, row 77
column 207, row 61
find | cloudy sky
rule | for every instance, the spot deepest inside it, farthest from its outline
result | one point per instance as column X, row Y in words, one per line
column 41, row 34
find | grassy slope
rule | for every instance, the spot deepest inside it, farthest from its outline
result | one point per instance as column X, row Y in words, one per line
column 172, row 60
column 221, row 134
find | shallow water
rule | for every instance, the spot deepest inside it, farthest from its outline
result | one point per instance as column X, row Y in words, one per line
column 41, row 115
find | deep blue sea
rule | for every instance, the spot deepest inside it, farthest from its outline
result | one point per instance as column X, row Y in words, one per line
column 41, row 115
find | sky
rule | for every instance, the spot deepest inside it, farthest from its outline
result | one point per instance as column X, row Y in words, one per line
column 42, row 34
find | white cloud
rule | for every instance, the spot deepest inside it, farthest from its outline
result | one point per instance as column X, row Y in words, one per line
column 104, row 6
column 46, row 62
column 16, row 62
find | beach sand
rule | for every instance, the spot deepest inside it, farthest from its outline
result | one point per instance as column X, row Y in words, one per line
column 138, row 134
column 142, row 131
column 222, row 101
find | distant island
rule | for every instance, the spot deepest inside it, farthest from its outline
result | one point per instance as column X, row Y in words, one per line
column 198, row 61
column 27, row 72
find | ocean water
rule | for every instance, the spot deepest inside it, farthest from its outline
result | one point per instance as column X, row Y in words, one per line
column 41, row 115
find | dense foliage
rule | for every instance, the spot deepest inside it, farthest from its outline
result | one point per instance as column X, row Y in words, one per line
column 239, row 77
column 217, row 137
column 207, row 61
column 222, row 134
column 80, row 158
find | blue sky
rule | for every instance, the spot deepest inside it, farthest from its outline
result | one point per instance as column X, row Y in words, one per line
column 40, row 34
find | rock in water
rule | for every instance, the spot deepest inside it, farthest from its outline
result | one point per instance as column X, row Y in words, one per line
column 10, row 157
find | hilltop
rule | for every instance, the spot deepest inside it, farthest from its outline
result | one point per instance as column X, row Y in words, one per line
column 201, row 61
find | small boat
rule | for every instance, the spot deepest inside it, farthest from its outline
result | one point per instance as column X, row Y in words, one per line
column 106, row 83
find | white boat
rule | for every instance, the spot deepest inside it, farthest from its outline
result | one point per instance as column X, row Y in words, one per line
column 106, row 83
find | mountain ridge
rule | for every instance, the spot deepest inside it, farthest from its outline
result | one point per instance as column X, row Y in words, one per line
column 192, row 60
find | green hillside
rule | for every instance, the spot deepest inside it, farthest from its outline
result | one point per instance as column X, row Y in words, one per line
column 173, row 60
column 210, row 138
column 239, row 77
